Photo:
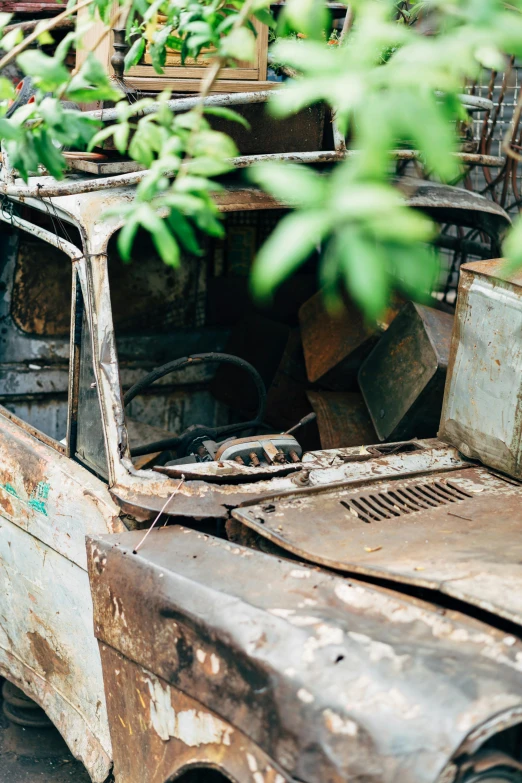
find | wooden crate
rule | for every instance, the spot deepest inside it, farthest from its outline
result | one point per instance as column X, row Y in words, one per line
column 243, row 78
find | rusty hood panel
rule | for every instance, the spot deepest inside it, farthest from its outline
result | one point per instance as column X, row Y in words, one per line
column 458, row 533
column 334, row 680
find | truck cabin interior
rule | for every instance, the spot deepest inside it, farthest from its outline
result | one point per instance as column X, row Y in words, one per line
column 203, row 308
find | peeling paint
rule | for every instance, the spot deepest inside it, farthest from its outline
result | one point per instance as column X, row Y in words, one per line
column 339, row 725
column 326, row 635
column 305, row 696
column 192, row 727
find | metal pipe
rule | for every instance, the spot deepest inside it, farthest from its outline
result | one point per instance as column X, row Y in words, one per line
column 71, row 250
column 241, row 162
column 330, row 156
column 184, row 104
column 72, row 188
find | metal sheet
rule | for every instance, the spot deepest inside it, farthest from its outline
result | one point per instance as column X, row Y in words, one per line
column 202, row 500
column 332, row 679
column 402, row 380
column 482, row 413
column 342, row 418
column 175, row 731
column 46, row 643
column 335, row 344
column 469, row 549
column 48, row 503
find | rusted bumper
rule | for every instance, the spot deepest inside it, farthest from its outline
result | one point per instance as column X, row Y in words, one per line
column 329, row 678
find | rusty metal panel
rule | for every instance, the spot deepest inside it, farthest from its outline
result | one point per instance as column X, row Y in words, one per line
column 46, row 643
column 402, row 380
column 454, row 532
column 302, row 132
column 482, row 414
column 335, row 344
column 175, row 731
column 48, row 503
column 213, row 500
column 342, row 418
column 332, row 679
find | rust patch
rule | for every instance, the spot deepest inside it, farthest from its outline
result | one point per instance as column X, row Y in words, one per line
column 48, row 659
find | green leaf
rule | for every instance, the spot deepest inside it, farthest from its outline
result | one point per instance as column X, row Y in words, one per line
column 140, row 148
column 46, row 72
column 8, row 131
column 101, row 136
column 214, row 144
column 415, row 267
column 240, row 44
column 49, row 155
column 208, row 167
column 264, row 16
column 4, row 20
column 365, row 271
column 12, row 39
column 135, row 53
column 6, row 89
column 127, row 236
column 291, row 184
column 121, row 137
column 310, row 17
column 289, row 246
column 164, row 242
column 184, row 232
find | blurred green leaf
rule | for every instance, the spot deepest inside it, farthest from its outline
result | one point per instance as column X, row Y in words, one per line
column 290, row 245
column 240, row 44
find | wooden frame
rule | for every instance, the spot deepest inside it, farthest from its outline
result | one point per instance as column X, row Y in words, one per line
column 243, row 78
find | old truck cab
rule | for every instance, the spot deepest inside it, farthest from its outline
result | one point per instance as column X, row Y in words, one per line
column 297, row 612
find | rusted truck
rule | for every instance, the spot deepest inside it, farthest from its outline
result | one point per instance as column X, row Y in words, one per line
column 327, row 615
column 233, row 642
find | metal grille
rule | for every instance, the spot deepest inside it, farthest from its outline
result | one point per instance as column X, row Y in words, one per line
column 377, row 506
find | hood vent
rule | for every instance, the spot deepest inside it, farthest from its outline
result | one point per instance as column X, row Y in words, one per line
column 376, row 506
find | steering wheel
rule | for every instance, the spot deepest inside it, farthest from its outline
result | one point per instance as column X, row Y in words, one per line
column 182, row 442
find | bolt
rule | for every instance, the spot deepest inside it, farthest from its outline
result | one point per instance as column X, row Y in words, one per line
column 302, row 478
column 254, row 459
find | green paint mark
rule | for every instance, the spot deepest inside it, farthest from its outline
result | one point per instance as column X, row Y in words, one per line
column 39, row 497
column 9, row 488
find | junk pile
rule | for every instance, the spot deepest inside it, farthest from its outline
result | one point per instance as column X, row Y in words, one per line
column 364, row 382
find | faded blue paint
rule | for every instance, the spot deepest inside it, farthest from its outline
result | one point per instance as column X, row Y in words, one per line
column 38, row 499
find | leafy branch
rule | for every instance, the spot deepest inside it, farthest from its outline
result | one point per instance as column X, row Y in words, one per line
column 394, row 80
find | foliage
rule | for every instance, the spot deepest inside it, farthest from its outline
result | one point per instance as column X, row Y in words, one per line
column 393, row 80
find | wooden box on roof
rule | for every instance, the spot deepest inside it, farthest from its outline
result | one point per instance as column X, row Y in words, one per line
column 179, row 78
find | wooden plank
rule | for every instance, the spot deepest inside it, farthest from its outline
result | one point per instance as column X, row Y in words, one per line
column 193, row 85
column 262, row 52
column 189, row 72
column 103, row 51
column 105, row 168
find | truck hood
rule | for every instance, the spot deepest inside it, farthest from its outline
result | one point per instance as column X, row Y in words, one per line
column 334, row 679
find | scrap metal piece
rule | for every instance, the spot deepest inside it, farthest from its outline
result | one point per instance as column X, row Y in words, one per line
column 331, row 679
column 335, row 344
column 342, row 418
column 481, row 413
column 402, row 380
column 445, row 531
